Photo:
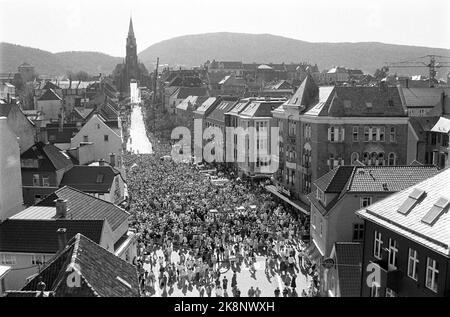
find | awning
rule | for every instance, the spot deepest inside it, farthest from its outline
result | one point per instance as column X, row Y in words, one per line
column 274, row 191
column 442, row 126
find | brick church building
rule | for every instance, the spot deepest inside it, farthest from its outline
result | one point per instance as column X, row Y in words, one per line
column 131, row 68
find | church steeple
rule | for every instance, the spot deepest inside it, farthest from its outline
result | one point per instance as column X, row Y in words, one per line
column 130, row 29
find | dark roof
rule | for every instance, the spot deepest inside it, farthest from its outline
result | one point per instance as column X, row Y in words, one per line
column 50, row 157
column 102, row 273
column 84, row 206
column 5, row 108
column 184, row 92
column 50, row 94
column 348, row 263
column 55, row 135
column 84, row 178
column 39, row 235
column 335, row 180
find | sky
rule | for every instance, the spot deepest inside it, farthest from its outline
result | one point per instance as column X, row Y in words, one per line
column 102, row 25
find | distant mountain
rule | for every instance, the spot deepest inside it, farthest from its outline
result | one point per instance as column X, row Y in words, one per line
column 47, row 63
column 193, row 50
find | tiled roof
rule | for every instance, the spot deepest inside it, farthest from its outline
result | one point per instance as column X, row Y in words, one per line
column 39, row 235
column 389, row 178
column 53, row 158
column 102, row 273
column 348, row 263
column 84, row 178
column 50, row 94
column 86, row 207
column 423, row 97
column 410, row 225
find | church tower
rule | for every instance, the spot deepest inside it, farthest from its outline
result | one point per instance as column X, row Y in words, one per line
column 131, row 62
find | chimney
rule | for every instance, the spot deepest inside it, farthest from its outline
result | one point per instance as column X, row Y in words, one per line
column 62, row 238
column 112, row 159
column 101, row 162
column 61, row 208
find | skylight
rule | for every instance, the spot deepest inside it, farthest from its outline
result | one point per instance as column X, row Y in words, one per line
column 411, row 201
column 436, row 211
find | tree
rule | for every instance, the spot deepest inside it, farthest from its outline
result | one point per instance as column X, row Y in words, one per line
column 381, row 73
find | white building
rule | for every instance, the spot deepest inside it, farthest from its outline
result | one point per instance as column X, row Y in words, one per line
column 106, row 139
column 11, row 200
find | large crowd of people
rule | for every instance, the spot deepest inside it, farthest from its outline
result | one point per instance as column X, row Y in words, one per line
column 192, row 231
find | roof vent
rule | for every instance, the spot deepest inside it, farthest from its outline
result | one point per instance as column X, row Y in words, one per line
column 436, row 211
column 410, row 202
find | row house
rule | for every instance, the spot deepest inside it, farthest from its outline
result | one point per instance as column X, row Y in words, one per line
column 29, row 239
column 324, row 127
column 202, row 113
column 43, row 167
column 336, row 197
column 406, row 246
column 257, row 115
column 181, row 93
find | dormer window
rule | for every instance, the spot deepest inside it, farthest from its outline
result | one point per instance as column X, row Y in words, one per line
column 436, row 211
column 320, row 196
column 100, row 178
column 411, row 201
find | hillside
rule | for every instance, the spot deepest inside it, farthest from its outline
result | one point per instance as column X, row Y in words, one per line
column 192, row 50
column 47, row 63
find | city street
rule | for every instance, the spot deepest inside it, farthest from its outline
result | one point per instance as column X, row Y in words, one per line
column 138, row 143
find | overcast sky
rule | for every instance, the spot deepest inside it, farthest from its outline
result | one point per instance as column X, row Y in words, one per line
column 102, row 25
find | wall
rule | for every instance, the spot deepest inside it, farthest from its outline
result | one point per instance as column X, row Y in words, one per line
column 11, row 200
column 95, row 129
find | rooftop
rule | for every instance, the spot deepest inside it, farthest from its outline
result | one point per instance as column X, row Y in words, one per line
column 90, row 179
column 419, row 213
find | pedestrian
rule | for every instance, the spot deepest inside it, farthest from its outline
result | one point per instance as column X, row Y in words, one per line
column 225, row 283
column 257, row 292
column 293, row 282
column 277, row 292
column 251, row 292
column 285, row 292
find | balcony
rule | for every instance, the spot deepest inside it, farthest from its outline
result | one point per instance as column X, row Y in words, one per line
column 389, row 277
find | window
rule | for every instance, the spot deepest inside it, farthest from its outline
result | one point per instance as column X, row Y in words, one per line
column 431, row 281
column 8, row 259
column 355, row 134
column 391, row 103
column 374, row 132
column 366, row 134
column 366, row 201
column 377, row 243
column 319, row 194
column 36, row 180
column 347, row 103
column 45, row 181
column 358, row 232
column 393, row 250
column 52, row 138
column 381, row 134
column 85, row 138
column 30, row 163
column 392, row 135
column 368, row 104
column 98, row 126
column 354, row 158
column 413, row 261
column 390, row 293
column 391, row 159
column 332, row 137
column 37, row 259
column 106, row 138
column 375, row 290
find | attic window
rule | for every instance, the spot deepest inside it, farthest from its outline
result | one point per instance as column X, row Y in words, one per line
column 124, row 282
column 411, row 201
column 100, row 178
column 436, row 211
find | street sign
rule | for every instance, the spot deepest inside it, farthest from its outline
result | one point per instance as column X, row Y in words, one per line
column 328, row 263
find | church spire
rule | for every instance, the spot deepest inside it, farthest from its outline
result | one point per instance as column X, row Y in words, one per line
column 130, row 29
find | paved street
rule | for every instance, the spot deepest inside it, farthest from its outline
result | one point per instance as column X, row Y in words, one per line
column 245, row 279
column 138, row 142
